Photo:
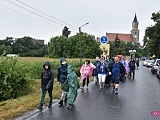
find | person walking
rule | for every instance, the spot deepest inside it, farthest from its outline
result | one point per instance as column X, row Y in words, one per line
column 123, row 62
column 132, row 66
column 70, row 86
column 137, row 63
column 86, row 72
column 95, row 73
column 102, row 73
column 47, row 80
column 61, row 78
column 116, row 69
column 108, row 77
column 127, row 67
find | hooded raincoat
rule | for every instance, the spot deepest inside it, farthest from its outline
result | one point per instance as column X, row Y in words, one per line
column 71, row 85
column 47, row 77
column 86, row 71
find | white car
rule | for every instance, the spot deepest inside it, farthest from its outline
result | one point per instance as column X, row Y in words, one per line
column 155, row 66
column 145, row 62
column 149, row 63
column 158, row 71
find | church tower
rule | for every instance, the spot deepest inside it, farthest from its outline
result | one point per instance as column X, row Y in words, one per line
column 135, row 31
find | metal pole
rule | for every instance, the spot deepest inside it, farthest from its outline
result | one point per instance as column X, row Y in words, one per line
column 80, row 42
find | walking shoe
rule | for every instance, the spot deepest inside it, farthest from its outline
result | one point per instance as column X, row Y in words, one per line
column 133, row 77
column 87, row 87
column 40, row 108
column 113, row 89
column 50, row 105
column 82, row 88
column 60, row 103
column 100, row 89
column 116, row 91
column 69, row 107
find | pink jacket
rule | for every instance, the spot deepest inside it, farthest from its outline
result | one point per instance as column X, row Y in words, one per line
column 86, row 70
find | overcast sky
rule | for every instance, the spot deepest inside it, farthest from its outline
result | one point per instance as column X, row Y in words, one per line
column 103, row 16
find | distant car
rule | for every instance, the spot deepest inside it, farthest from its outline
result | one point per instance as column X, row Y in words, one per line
column 149, row 63
column 155, row 66
column 158, row 71
column 145, row 62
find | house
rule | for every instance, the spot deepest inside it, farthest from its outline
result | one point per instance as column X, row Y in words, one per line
column 38, row 41
column 122, row 36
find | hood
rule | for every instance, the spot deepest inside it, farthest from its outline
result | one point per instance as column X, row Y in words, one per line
column 70, row 68
column 47, row 63
column 63, row 60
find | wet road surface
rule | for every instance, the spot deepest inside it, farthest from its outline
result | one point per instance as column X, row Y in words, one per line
column 135, row 101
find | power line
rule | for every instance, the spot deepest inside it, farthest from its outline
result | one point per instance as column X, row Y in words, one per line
column 45, row 13
column 17, row 5
column 24, row 14
column 30, row 11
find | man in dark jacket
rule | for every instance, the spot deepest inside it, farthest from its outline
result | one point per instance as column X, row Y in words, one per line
column 47, row 79
column 61, row 77
column 116, row 69
column 132, row 67
column 108, row 77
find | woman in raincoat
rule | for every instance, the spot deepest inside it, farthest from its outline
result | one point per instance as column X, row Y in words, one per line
column 86, row 72
column 70, row 86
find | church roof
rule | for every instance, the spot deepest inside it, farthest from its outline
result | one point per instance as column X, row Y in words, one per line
column 122, row 36
column 135, row 18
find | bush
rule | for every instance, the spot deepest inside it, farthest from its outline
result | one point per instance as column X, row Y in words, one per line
column 15, row 78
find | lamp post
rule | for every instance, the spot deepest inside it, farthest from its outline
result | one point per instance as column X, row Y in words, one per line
column 80, row 42
column 132, row 53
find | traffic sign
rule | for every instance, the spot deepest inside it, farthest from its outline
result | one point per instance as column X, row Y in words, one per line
column 104, row 40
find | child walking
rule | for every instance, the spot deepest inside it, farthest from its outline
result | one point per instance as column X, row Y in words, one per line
column 47, row 79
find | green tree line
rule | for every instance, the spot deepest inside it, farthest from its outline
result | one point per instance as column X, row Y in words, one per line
column 22, row 46
column 151, row 39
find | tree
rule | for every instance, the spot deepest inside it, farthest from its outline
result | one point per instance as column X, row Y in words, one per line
column 66, row 32
column 117, row 47
column 152, row 36
column 69, row 47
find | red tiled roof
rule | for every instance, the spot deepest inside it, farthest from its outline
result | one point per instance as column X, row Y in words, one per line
column 38, row 41
column 121, row 36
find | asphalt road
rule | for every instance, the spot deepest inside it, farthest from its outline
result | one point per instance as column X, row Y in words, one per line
column 135, row 101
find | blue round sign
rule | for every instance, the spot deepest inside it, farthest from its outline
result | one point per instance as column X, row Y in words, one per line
column 104, row 39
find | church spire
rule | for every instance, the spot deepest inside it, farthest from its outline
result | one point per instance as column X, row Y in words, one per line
column 135, row 18
column 135, row 31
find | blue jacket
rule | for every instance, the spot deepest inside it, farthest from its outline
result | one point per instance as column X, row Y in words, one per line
column 102, row 68
column 122, row 68
column 62, row 73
